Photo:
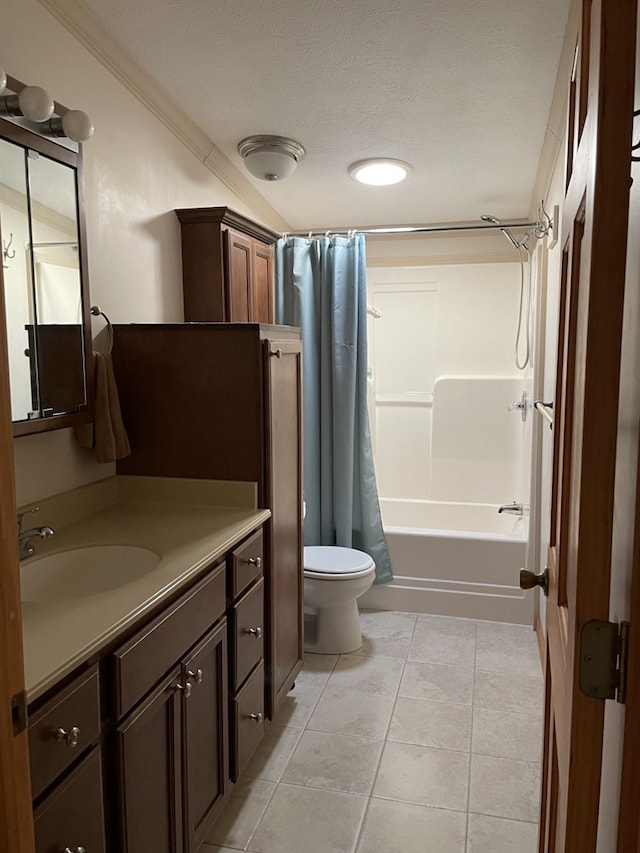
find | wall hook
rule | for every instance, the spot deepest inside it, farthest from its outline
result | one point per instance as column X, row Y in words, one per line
column 6, row 254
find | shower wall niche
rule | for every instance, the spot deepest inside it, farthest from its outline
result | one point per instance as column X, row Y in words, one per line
column 441, row 378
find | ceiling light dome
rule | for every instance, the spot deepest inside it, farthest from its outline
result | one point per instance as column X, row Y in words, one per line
column 270, row 158
column 379, row 172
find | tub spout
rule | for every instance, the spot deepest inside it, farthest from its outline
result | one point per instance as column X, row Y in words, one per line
column 513, row 508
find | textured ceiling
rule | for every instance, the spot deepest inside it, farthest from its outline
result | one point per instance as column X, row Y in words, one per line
column 459, row 88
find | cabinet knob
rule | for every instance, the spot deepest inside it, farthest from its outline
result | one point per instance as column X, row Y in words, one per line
column 257, row 718
column 71, row 737
column 278, row 353
column 197, row 675
column 185, row 688
column 255, row 632
column 75, row 850
column 255, row 561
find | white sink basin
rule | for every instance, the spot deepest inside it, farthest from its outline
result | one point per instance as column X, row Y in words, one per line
column 83, row 571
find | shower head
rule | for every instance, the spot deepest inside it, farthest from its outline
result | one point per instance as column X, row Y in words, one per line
column 495, row 221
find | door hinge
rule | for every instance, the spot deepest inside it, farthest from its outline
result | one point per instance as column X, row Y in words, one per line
column 603, row 660
column 19, row 712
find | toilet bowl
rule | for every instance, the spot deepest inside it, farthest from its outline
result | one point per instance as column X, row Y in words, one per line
column 334, row 578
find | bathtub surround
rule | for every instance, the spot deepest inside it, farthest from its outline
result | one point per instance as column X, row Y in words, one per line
column 321, row 287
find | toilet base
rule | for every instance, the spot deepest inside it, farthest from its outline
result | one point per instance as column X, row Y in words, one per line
column 334, row 630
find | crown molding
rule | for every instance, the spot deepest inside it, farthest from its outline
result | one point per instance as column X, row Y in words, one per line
column 87, row 28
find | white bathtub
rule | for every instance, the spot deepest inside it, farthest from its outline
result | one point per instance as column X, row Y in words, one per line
column 453, row 559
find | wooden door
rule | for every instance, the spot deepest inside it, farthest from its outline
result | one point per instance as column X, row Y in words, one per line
column 237, row 277
column 594, row 227
column 16, row 819
column 205, row 735
column 283, row 487
column 149, row 773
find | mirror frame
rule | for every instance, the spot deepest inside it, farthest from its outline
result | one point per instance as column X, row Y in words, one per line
column 25, row 138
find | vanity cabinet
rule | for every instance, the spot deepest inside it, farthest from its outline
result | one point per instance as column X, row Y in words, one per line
column 224, row 401
column 171, row 749
column 66, row 769
column 227, row 266
column 246, row 653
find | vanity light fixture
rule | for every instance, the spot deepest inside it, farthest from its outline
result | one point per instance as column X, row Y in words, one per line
column 35, row 104
column 270, row 158
column 379, row 172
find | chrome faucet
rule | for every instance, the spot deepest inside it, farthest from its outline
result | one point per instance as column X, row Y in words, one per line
column 513, row 508
column 25, row 546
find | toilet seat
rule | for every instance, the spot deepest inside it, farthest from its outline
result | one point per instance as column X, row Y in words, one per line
column 335, row 562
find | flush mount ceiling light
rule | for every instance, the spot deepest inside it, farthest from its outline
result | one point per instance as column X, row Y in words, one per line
column 270, row 158
column 379, row 172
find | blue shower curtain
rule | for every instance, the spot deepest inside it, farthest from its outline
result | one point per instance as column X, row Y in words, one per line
column 321, row 287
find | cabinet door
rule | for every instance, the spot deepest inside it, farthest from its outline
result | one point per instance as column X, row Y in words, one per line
column 71, row 817
column 148, row 768
column 237, row 277
column 205, row 734
column 261, row 283
column 284, row 577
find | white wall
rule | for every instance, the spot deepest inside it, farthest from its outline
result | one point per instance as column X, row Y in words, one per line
column 136, row 173
column 441, row 358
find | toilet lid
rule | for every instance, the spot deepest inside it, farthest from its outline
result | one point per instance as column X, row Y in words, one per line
column 335, row 560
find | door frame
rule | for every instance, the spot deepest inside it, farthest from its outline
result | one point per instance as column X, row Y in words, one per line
column 16, row 817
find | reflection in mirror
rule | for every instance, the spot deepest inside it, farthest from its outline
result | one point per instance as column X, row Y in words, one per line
column 42, row 283
column 15, row 262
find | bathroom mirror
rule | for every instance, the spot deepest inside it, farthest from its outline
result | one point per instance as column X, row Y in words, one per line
column 44, row 278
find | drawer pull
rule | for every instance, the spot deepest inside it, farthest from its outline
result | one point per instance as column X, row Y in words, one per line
column 75, row 850
column 255, row 561
column 255, row 632
column 197, row 675
column 257, row 718
column 71, row 738
column 186, row 688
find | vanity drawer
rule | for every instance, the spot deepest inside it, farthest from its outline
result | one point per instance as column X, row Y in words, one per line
column 247, row 720
column 246, row 564
column 148, row 655
column 72, row 817
column 62, row 729
column 247, row 633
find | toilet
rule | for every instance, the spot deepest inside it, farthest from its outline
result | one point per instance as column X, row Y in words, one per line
column 334, row 578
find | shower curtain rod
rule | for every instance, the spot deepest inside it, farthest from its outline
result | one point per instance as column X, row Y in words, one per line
column 541, row 227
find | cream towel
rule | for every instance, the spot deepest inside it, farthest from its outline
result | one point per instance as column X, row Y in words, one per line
column 106, row 435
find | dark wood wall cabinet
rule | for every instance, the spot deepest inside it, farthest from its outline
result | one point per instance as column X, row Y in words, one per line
column 135, row 753
column 223, row 401
column 227, row 266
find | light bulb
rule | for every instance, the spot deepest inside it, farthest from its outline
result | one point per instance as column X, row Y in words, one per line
column 77, row 125
column 35, row 104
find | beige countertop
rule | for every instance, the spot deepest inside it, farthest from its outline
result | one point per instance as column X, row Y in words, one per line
column 187, row 523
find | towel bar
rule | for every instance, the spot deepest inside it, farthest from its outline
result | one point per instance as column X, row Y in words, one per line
column 96, row 311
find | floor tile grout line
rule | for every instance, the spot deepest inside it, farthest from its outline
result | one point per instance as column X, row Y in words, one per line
column 473, row 702
column 384, row 744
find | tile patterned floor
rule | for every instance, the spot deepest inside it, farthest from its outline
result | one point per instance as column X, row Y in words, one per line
column 427, row 740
